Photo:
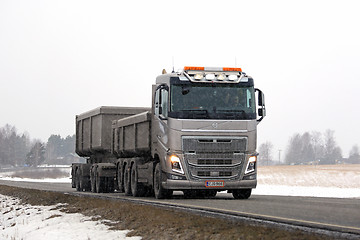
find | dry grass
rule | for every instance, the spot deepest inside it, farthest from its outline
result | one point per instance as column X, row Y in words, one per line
column 153, row 222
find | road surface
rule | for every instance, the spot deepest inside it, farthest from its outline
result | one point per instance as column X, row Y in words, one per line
column 334, row 214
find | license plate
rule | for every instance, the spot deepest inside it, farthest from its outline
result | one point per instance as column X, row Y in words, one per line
column 214, row 183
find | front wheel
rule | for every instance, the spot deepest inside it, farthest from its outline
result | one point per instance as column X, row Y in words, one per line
column 241, row 193
column 159, row 191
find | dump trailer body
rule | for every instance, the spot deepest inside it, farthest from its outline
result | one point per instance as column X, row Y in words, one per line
column 132, row 136
column 93, row 129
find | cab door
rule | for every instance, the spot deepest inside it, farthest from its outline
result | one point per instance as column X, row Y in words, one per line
column 159, row 126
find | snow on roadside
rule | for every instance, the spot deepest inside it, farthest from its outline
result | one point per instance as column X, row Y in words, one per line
column 28, row 222
column 50, row 180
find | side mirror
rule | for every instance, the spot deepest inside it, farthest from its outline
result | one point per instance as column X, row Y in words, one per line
column 261, row 99
column 261, row 104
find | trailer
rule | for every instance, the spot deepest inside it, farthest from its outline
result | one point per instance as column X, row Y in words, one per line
column 198, row 137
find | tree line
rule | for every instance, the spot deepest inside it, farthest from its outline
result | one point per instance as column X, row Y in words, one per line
column 17, row 149
column 309, row 148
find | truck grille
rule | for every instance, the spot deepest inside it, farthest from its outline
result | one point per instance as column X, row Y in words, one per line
column 214, row 157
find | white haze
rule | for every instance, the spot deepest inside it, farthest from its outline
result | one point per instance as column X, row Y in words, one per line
column 62, row 58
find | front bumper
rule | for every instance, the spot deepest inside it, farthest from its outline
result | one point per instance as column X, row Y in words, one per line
column 188, row 185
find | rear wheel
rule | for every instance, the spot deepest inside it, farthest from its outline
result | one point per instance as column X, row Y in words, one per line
column 92, row 180
column 127, row 184
column 120, row 178
column 99, row 182
column 78, row 180
column 159, row 191
column 137, row 189
column 241, row 193
column 109, row 184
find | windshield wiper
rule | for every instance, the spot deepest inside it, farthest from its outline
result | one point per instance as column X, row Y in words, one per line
column 233, row 113
column 197, row 112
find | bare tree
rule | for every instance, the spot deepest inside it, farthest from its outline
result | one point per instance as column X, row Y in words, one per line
column 36, row 155
column 332, row 152
column 265, row 153
column 354, row 156
column 293, row 150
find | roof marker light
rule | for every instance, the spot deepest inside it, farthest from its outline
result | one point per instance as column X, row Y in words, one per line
column 232, row 69
column 194, row 68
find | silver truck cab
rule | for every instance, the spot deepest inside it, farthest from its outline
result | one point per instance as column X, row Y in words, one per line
column 203, row 127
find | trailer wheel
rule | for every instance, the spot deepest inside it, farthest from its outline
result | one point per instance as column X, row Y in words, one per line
column 127, row 183
column 120, row 178
column 137, row 189
column 92, row 180
column 159, row 191
column 99, row 182
column 109, row 184
column 241, row 193
column 77, row 180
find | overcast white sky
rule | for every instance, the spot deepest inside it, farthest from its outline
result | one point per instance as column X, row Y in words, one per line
column 62, row 58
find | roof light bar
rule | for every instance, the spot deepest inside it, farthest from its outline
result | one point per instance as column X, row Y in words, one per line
column 215, row 69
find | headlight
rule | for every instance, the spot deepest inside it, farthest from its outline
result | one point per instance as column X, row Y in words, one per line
column 251, row 165
column 176, row 164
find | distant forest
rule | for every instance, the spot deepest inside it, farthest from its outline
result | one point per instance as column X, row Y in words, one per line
column 308, row 148
column 18, row 150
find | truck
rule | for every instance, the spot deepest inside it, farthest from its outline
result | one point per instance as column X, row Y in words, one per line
column 198, row 137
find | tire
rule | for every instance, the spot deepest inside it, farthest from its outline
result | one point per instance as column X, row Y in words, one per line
column 78, row 180
column 120, row 178
column 127, row 183
column 85, row 184
column 160, row 192
column 109, row 184
column 241, row 193
column 92, row 181
column 99, row 182
column 137, row 189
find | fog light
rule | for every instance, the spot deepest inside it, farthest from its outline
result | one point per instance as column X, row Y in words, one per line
column 250, row 177
column 175, row 177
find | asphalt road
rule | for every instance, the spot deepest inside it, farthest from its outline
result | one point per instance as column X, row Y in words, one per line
column 321, row 213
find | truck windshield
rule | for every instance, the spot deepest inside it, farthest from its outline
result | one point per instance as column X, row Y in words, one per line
column 212, row 101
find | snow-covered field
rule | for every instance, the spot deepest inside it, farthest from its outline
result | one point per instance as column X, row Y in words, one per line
column 335, row 181
column 21, row 222
column 38, row 222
